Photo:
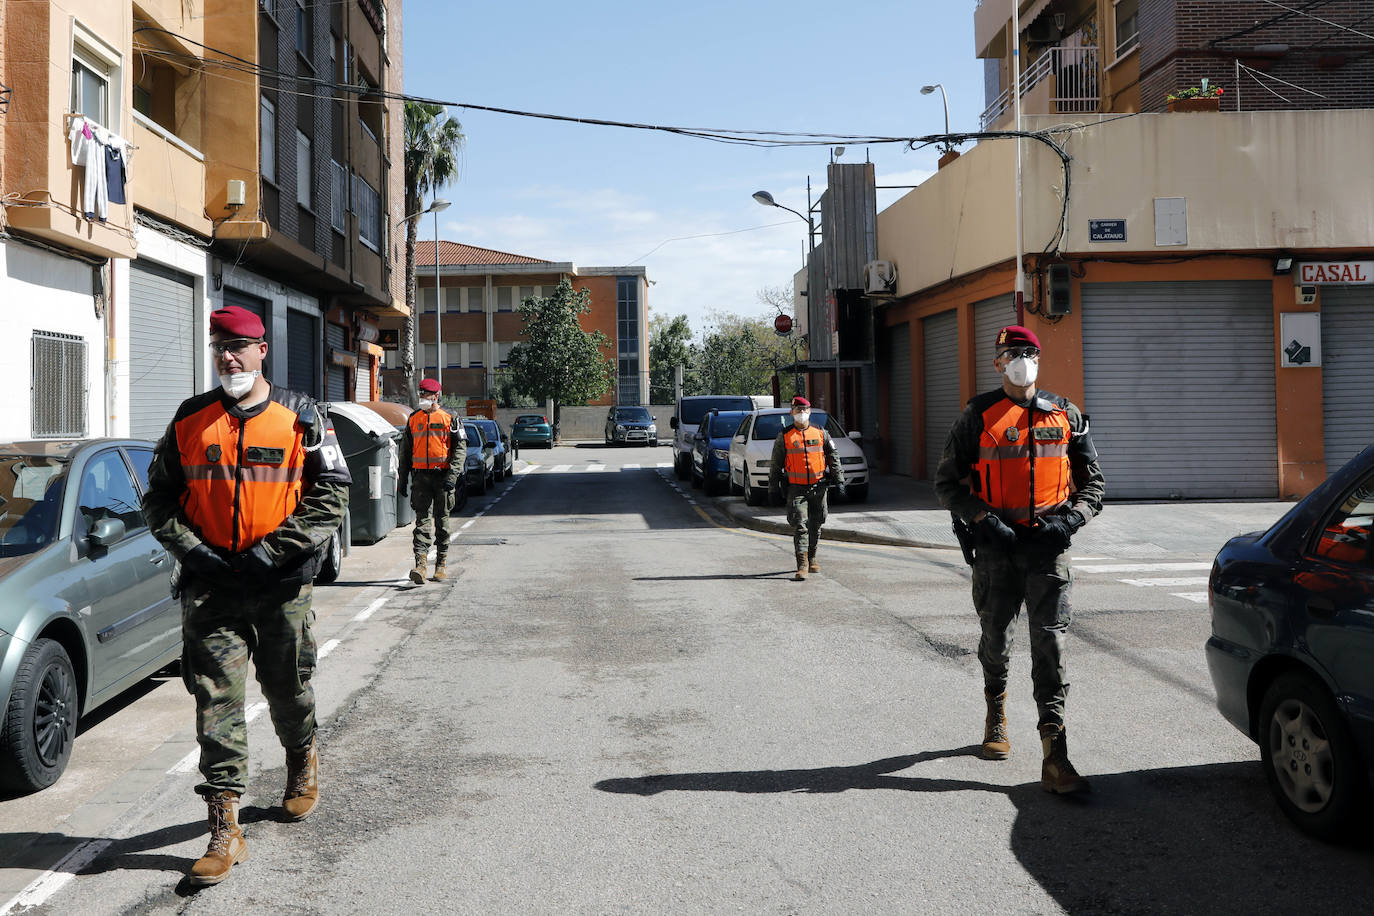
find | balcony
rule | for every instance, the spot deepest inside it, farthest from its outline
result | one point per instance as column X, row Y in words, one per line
column 1063, row 80
column 168, row 177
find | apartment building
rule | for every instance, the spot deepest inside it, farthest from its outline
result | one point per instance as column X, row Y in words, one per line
column 1201, row 281
column 163, row 158
column 477, row 316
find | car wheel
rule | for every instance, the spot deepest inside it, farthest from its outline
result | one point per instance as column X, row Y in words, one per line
column 681, row 467
column 696, row 479
column 1310, row 758
column 333, row 560
column 735, row 489
column 857, row 493
column 40, row 722
column 752, row 497
column 653, row 443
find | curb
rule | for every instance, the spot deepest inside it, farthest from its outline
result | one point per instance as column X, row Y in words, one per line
column 849, row 535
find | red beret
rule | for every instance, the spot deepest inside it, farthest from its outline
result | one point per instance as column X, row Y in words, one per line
column 800, row 401
column 430, row 385
column 1014, row 335
column 235, row 321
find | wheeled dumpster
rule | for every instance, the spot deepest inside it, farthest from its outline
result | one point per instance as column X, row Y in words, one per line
column 370, row 450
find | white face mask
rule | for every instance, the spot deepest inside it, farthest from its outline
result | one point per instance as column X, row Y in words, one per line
column 237, row 384
column 426, row 404
column 1021, row 371
column 801, row 418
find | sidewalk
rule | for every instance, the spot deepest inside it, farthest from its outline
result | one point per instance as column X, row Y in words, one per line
column 904, row 512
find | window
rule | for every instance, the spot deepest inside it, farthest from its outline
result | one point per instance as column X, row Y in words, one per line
column 58, row 385
column 142, row 460
column 475, row 354
column 453, row 355
column 504, row 299
column 107, row 491
column 338, row 194
column 503, row 353
column 304, row 179
column 477, row 299
column 369, row 210
column 526, row 292
column 431, row 355
column 1127, row 28
column 303, row 28
column 267, row 117
column 90, row 85
column 1349, row 536
column 427, row 299
column 627, row 339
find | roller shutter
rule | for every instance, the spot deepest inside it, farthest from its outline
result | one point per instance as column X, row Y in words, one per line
column 162, row 370
column 1179, row 386
column 989, row 317
column 1347, row 372
column 941, row 376
column 336, row 381
column 303, row 353
column 900, row 433
column 363, row 389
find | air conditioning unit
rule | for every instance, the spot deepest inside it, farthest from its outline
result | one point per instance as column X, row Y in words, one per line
column 880, row 278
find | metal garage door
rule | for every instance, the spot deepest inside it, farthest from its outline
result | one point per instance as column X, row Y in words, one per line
column 336, row 379
column 162, row 335
column 941, row 376
column 363, row 387
column 989, row 317
column 1179, row 385
column 303, row 353
column 1347, row 372
column 900, row 434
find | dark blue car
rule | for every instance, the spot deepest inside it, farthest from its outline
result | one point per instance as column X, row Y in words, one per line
column 1292, row 649
column 711, row 449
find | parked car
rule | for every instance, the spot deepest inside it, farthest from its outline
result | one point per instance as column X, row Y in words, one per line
column 711, row 449
column 87, row 610
column 531, row 429
column 752, row 448
column 1292, row 649
column 503, row 456
column 631, row 424
column 688, row 415
column 481, row 459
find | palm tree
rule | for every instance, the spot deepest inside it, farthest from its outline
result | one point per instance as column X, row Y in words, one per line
column 433, row 140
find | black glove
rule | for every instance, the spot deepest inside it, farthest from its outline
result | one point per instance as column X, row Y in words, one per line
column 450, row 486
column 993, row 532
column 1055, row 532
column 255, row 565
column 204, row 563
column 403, row 486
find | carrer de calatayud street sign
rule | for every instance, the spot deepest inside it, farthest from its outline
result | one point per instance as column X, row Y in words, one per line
column 1348, row 272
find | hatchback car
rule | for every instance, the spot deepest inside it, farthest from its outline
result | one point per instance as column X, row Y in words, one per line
column 481, row 459
column 503, row 456
column 531, row 429
column 1292, row 649
column 711, row 449
column 627, row 425
column 87, row 610
column 752, row 449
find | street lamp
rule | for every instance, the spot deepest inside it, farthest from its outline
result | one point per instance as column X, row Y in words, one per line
column 927, row 90
column 438, row 204
column 765, row 199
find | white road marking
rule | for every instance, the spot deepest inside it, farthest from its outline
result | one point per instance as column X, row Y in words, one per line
column 665, row 464
column 1166, row 583
column 1195, row 597
column 1143, row 567
column 469, row 522
column 372, row 608
column 252, row 712
column 527, row 469
column 327, row 648
column 451, row 538
column 50, row 882
column 188, row 763
column 629, row 467
column 560, row 468
column 1077, row 559
column 596, row 467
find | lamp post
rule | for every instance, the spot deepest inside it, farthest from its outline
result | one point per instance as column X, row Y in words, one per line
column 927, row 90
column 765, row 199
column 438, row 204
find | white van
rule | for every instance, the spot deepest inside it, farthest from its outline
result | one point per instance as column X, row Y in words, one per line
column 687, row 417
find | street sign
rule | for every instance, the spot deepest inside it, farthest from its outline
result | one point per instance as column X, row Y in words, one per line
column 1106, row 230
column 1300, row 334
column 1343, row 272
column 782, row 325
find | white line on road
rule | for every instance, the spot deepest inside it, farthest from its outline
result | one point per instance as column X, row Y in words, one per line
column 52, row 881
column 468, row 522
column 188, row 763
column 629, row 467
column 371, row 609
column 560, row 468
column 596, row 467
column 327, row 648
column 1143, row 567
column 1166, row 583
column 1195, row 597
column 665, row 464
column 527, row 469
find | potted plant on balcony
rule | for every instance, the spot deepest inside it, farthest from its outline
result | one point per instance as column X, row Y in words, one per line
column 1196, row 98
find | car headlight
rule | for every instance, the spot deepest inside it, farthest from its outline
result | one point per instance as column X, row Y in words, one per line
column 721, row 453
column 760, row 464
column 619, row 428
column 851, row 461
column 653, row 428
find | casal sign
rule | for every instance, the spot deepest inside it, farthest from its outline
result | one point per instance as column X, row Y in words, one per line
column 1350, row 272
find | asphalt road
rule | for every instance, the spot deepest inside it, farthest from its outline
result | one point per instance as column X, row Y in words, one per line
column 622, row 704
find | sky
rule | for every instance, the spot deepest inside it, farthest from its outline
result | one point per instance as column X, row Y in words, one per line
column 605, row 196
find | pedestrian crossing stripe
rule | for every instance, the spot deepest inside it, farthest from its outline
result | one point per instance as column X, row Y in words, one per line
column 1141, row 567
column 1176, row 582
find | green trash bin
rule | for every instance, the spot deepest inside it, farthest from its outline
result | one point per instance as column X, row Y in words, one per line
column 369, row 447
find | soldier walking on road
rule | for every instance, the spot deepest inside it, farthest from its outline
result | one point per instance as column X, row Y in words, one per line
column 433, row 452
column 805, row 457
column 1020, row 475
column 246, row 488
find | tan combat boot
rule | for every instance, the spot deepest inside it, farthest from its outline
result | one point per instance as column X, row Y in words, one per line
column 417, row 575
column 302, row 783
column 1056, row 773
column 812, row 565
column 227, row 845
column 801, row 569
column 996, row 744
column 440, row 569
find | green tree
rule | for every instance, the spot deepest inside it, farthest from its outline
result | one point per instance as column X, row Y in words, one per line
column 507, row 393
column 557, row 360
column 670, row 346
column 739, row 355
column 433, row 140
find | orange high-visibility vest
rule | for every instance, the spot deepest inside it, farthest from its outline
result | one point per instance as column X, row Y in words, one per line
column 243, row 476
column 1023, row 469
column 805, row 459
column 429, row 439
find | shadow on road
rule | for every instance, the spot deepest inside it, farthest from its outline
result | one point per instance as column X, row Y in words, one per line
column 1176, row 840
column 718, row 577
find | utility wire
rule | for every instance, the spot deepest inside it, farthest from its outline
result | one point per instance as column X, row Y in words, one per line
column 1306, row 15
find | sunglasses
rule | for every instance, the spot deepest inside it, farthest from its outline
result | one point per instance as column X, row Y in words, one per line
column 235, row 346
column 1018, row 352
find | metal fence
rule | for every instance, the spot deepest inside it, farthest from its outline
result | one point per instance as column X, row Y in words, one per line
column 1073, row 72
column 59, row 385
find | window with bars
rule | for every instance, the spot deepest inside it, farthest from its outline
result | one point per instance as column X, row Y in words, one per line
column 304, row 179
column 338, row 204
column 59, row 385
column 368, row 204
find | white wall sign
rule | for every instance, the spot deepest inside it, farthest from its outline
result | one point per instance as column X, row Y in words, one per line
column 1171, row 221
column 1343, row 272
column 1300, row 339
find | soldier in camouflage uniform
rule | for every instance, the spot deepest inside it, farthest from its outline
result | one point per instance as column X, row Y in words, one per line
column 1020, row 475
column 246, row 488
column 433, row 451
column 805, row 460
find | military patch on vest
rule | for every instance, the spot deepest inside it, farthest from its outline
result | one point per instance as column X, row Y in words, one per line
column 212, row 452
column 1013, row 433
column 1048, row 434
column 257, row 454
column 438, row 426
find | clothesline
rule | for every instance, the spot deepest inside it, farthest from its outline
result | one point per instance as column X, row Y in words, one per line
column 68, row 115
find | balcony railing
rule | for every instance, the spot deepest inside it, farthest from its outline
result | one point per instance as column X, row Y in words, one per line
column 1072, row 73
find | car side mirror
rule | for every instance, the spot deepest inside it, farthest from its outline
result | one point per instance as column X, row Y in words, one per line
column 739, row 438
column 672, row 424
column 105, row 532
column 856, row 435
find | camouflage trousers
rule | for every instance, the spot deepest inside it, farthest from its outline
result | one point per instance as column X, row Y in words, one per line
column 221, row 630
column 1002, row 581
column 806, row 510
column 432, row 505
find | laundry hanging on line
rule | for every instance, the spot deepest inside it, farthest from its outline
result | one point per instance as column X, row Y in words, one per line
column 104, row 156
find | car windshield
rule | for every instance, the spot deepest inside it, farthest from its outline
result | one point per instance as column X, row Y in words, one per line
column 530, row 420
column 692, row 411
column 770, row 424
column 725, row 427
column 633, row 414
column 30, row 494
column 475, row 436
column 488, row 427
